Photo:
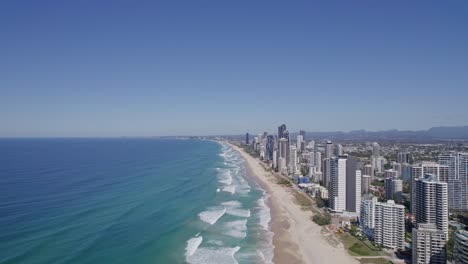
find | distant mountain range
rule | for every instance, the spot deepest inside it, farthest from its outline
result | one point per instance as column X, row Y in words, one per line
column 434, row 133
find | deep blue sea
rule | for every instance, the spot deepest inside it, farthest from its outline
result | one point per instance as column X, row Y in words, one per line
column 129, row 201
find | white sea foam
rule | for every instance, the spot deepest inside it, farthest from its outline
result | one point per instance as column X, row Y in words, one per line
column 212, row 215
column 236, row 229
column 231, row 189
column 225, row 177
column 234, row 208
column 216, row 242
column 192, row 245
column 264, row 214
column 218, row 190
column 211, row 255
column 265, row 252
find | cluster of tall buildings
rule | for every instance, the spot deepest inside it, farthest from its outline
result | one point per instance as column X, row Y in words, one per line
column 435, row 188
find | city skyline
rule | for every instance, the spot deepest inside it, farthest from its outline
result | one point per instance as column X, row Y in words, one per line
column 162, row 68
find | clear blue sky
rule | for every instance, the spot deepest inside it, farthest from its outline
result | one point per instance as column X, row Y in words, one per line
column 140, row 68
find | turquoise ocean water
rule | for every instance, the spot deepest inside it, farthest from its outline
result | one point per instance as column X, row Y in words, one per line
column 129, row 201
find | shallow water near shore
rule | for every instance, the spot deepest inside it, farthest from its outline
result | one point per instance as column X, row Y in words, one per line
column 129, row 201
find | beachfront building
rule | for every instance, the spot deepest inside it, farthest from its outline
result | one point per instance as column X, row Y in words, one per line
column 270, row 143
column 460, row 249
column 292, row 160
column 457, row 164
column 389, row 224
column 326, row 172
column 353, row 185
column 337, row 188
column 431, row 202
column 367, row 215
column 440, row 171
column 428, row 245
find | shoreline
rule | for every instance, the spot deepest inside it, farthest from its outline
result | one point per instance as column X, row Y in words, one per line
column 296, row 238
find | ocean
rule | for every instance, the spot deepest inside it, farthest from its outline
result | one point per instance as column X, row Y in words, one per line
column 129, row 201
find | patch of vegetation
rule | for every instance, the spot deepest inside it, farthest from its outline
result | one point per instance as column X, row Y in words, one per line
column 322, row 220
column 320, row 202
column 284, row 182
column 359, row 247
column 450, row 244
column 375, row 261
column 302, row 200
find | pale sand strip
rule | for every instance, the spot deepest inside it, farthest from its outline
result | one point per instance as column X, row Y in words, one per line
column 297, row 239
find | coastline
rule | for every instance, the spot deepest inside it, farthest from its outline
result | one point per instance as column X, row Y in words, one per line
column 296, row 239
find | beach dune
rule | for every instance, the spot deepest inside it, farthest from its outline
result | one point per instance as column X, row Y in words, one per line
column 297, row 239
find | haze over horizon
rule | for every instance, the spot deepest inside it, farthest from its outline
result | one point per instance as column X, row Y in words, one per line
column 209, row 67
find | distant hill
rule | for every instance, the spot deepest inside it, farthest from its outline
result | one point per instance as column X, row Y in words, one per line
column 460, row 132
column 455, row 132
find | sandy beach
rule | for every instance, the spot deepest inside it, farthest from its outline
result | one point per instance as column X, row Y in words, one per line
column 297, row 239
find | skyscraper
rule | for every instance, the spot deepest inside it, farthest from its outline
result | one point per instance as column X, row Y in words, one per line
column 329, row 150
column 441, row 173
column 460, row 249
column 326, row 172
column 403, row 157
column 365, row 184
column 353, row 184
column 300, row 142
column 318, row 160
column 293, row 159
column 283, row 145
column 339, row 150
column 286, row 136
column 389, row 223
column 270, row 143
column 337, row 189
column 367, row 215
column 394, row 189
column 247, row 138
column 457, row 179
column 281, row 129
column 431, row 202
column 428, row 245
column 368, row 170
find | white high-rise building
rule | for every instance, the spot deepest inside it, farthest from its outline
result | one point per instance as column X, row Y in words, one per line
column 460, row 249
column 389, row 223
column 431, row 202
column 337, row 189
column 275, row 158
column 367, row 215
column 428, row 245
column 339, row 150
column 368, row 170
column 380, row 164
column 318, row 160
column 457, row 179
column 440, row 171
column 300, row 142
column 329, row 150
column 365, row 184
column 292, row 159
